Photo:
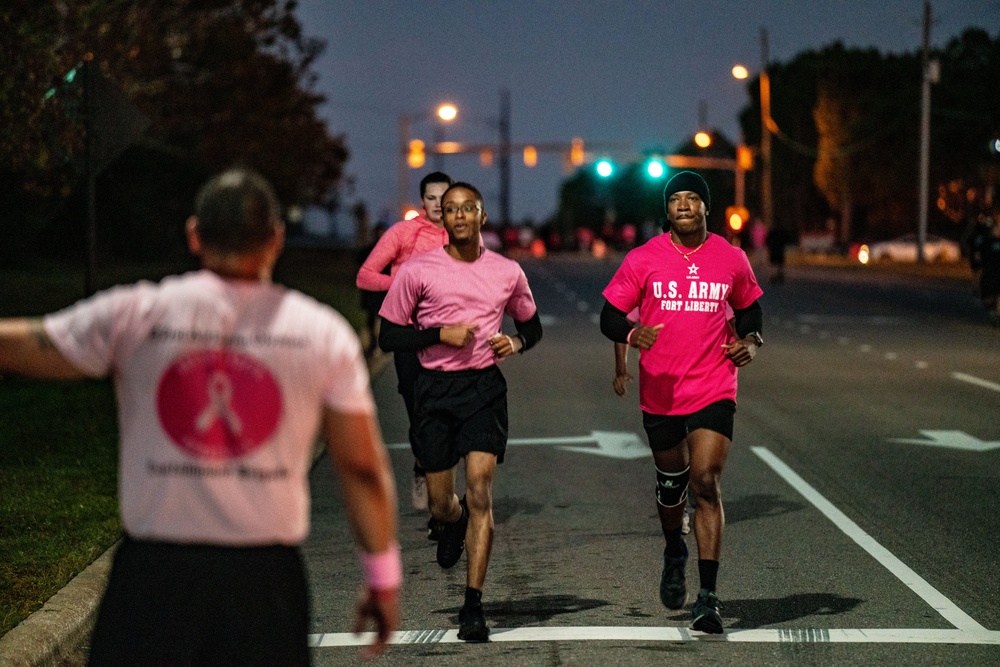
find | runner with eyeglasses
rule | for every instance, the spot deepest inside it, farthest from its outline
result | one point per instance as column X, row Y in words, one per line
column 457, row 297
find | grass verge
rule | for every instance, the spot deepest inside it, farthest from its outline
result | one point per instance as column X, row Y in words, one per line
column 59, row 441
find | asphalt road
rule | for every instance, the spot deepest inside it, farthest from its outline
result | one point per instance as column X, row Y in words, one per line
column 860, row 494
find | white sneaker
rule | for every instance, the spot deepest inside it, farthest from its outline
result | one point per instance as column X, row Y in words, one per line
column 686, row 522
column 419, row 492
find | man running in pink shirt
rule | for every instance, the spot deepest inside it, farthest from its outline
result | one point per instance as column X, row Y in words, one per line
column 457, row 297
column 406, row 239
column 682, row 282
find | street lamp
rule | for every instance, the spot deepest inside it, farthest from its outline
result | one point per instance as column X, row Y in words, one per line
column 446, row 112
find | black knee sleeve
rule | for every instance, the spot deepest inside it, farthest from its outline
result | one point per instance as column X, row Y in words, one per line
column 672, row 487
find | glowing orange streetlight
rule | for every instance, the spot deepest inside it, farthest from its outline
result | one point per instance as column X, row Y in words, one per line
column 703, row 139
column 447, row 112
column 412, row 153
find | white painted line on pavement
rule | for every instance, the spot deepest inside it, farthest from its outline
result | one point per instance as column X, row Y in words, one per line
column 972, row 379
column 914, row 581
column 673, row 634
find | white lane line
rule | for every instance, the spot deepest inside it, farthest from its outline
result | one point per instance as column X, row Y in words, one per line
column 972, row 379
column 673, row 634
column 914, row 581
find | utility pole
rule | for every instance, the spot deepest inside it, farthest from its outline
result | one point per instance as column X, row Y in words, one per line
column 930, row 74
column 503, row 164
column 767, row 208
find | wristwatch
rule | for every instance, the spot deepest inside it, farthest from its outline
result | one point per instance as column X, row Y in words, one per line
column 757, row 338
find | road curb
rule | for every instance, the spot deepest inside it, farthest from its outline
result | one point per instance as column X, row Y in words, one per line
column 58, row 634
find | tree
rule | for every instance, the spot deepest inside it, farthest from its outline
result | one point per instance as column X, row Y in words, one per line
column 965, row 123
column 221, row 82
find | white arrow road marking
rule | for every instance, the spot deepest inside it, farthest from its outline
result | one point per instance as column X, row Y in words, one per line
column 612, row 444
column 951, row 440
column 673, row 634
column 972, row 379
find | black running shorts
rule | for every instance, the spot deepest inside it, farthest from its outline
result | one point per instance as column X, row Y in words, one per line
column 667, row 431
column 180, row 604
column 457, row 412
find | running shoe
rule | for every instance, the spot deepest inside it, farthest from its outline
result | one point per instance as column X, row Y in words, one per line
column 418, row 494
column 433, row 529
column 673, row 591
column 706, row 613
column 451, row 542
column 472, row 624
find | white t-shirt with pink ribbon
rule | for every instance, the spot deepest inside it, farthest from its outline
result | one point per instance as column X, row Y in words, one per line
column 220, row 386
column 686, row 369
column 435, row 290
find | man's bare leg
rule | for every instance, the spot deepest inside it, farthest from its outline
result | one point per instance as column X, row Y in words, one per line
column 480, row 468
column 441, row 496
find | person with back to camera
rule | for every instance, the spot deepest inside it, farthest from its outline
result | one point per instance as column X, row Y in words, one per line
column 223, row 381
column 457, row 297
column 681, row 282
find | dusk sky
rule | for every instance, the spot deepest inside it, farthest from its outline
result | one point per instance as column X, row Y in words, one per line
column 629, row 73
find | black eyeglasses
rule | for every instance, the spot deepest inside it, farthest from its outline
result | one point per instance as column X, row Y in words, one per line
column 467, row 209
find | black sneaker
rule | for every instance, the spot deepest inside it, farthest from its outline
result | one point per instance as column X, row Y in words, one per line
column 706, row 613
column 673, row 591
column 451, row 542
column 433, row 529
column 472, row 624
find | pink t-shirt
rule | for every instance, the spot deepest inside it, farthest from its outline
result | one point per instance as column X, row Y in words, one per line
column 435, row 290
column 686, row 369
column 220, row 387
column 403, row 240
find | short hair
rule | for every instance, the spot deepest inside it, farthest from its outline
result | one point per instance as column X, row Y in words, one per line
column 237, row 211
column 433, row 177
column 467, row 186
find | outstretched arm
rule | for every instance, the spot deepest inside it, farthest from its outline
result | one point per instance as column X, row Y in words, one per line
column 26, row 349
column 362, row 464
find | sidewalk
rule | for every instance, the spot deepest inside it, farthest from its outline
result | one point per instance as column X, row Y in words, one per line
column 58, row 634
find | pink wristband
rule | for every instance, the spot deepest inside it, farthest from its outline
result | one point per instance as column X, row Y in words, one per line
column 382, row 571
column 628, row 338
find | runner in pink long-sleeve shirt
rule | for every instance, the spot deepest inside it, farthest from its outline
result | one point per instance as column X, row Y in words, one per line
column 406, row 239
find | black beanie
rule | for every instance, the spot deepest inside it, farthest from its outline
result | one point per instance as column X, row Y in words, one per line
column 687, row 181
